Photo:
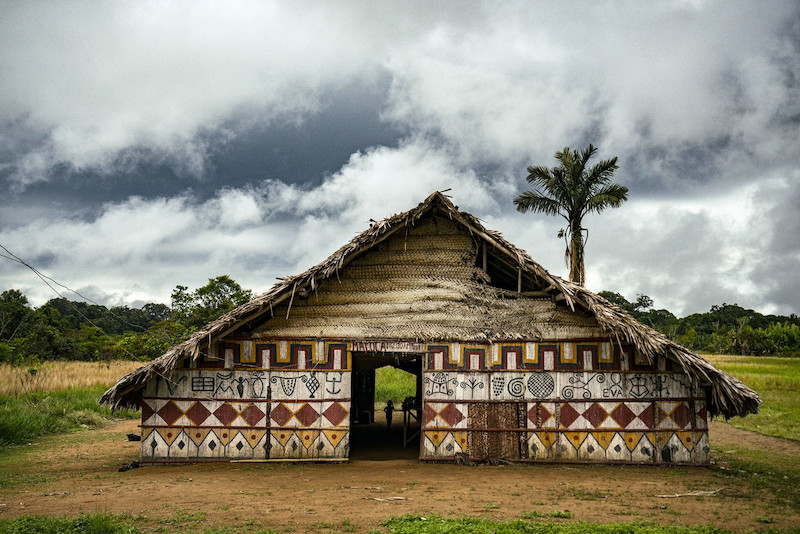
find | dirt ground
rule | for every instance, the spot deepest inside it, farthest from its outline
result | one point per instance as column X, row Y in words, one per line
column 67, row 475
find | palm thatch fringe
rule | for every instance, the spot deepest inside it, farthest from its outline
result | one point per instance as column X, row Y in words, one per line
column 729, row 397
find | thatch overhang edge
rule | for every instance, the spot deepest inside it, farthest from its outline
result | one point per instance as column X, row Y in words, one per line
column 729, row 397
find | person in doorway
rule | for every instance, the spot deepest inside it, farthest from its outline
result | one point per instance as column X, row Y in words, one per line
column 388, row 411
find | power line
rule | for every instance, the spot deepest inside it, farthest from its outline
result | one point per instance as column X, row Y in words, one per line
column 44, row 278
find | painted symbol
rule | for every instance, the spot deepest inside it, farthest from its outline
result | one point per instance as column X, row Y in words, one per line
column 579, row 384
column 334, row 379
column 541, row 385
column 472, row 383
column 639, row 386
column 224, row 385
column 516, row 387
column 312, row 383
column 440, row 384
column 202, row 383
column 240, row 382
column 173, row 386
column 287, row 384
column 498, row 383
column 258, row 384
column 615, row 389
column 679, row 386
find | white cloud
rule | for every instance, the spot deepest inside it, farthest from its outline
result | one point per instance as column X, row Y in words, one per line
column 687, row 255
column 140, row 249
column 697, row 100
column 107, row 84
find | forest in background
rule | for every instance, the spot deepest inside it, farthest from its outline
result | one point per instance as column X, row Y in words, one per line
column 724, row 329
column 73, row 330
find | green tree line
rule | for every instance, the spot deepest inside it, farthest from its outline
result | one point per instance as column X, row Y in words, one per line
column 725, row 329
column 68, row 330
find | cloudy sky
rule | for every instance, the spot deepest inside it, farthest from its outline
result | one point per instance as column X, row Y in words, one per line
column 149, row 144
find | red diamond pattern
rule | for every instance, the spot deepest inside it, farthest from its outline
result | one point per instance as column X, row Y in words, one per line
column 306, row 415
column 451, row 415
column 661, row 415
column 532, row 414
column 647, row 417
column 170, row 413
column 198, row 413
column 623, row 415
column 595, row 415
column 281, row 414
column 252, row 414
column 568, row 415
column 335, row 413
column 147, row 411
column 681, row 415
column 544, row 413
column 226, row 414
column 428, row 415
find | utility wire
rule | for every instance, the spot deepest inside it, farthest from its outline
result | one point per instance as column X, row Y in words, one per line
column 44, row 278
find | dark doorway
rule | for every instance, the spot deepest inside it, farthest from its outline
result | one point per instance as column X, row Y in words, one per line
column 370, row 436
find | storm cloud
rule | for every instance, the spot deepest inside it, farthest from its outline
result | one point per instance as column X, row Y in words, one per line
column 153, row 144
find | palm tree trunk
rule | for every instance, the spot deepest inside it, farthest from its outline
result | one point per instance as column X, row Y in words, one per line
column 576, row 266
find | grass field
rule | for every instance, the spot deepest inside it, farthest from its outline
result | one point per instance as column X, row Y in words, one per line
column 24, row 418
column 411, row 524
column 777, row 381
column 58, row 397
column 394, row 384
column 50, row 376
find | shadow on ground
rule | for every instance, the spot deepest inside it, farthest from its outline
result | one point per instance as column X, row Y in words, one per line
column 375, row 442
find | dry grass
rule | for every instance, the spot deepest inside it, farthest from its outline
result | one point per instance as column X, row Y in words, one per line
column 51, row 376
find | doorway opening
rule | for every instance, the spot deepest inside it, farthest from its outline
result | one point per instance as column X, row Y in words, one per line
column 378, row 430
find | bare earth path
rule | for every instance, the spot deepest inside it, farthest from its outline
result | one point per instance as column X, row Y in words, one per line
column 67, row 475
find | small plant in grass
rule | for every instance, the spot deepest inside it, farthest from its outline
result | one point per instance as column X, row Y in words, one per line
column 561, row 514
column 557, row 514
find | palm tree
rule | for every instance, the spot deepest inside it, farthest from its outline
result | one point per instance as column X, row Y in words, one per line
column 571, row 190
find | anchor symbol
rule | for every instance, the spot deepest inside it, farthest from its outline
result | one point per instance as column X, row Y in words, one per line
column 335, row 379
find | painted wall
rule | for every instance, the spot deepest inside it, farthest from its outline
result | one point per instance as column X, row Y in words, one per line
column 569, row 401
column 554, row 401
column 252, row 401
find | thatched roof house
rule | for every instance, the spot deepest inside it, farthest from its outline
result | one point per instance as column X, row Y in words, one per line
column 500, row 346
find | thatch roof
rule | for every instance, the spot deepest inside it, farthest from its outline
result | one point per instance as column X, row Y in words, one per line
column 729, row 397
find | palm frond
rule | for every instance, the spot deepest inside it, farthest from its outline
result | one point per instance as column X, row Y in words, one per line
column 537, row 202
column 539, row 176
column 609, row 196
column 602, row 172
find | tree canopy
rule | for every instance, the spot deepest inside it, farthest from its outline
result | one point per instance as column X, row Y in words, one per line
column 201, row 306
column 62, row 329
